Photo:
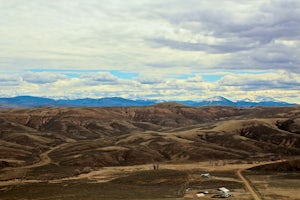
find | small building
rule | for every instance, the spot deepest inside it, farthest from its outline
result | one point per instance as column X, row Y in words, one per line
column 225, row 195
column 223, row 189
column 206, row 175
column 200, row 194
column 224, row 192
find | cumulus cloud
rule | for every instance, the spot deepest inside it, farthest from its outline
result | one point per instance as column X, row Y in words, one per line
column 169, row 38
column 265, row 81
column 114, row 35
column 195, row 79
column 42, row 77
column 153, row 79
column 99, row 78
column 248, row 32
column 10, row 80
column 281, row 85
column 224, row 47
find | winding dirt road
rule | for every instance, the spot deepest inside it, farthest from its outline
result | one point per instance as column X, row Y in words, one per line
column 44, row 158
column 248, row 185
column 254, row 194
column 108, row 173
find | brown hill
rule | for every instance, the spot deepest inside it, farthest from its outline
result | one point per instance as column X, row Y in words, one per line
column 77, row 138
column 288, row 166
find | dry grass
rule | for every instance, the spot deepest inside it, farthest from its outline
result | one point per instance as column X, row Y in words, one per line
column 276, row 185
column 111, row 148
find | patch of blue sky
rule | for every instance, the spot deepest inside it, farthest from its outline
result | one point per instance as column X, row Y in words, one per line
column 208, row 77
column 212, row 78
column 217, row 75
column 72, row 75
column 124, row 74
column 185, row 76
column 77, row 73
column 64, row 71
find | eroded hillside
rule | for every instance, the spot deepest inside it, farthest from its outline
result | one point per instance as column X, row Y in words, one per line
column 81, row 138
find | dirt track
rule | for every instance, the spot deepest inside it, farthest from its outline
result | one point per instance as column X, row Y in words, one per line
column 254, row 194
column 44, row 158
column 248, row 185
column 108, row 173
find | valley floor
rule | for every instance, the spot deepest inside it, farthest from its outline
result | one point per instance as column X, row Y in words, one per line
column 171, row 181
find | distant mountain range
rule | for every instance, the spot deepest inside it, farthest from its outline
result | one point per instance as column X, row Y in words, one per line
column 30, row 101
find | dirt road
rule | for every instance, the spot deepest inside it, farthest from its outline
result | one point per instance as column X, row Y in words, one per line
column 44, row 158
column 108, row 173
column 254, row 194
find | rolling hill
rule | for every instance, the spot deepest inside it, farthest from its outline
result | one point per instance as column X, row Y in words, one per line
column 73, row 139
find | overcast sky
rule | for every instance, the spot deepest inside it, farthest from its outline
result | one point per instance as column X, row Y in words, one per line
column 150, row 49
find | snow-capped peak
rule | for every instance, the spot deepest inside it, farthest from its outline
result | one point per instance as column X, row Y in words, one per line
column 265, row 99
column 247, row 100
column 216, row 98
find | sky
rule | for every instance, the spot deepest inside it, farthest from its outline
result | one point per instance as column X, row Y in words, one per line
column 150, row 49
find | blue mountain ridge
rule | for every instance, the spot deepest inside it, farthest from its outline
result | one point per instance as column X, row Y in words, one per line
column 31, row 102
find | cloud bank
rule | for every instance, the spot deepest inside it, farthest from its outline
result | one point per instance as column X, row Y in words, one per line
column 166, row 48
column 281, row 85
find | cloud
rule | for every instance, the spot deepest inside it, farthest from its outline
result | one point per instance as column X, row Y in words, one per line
column 99, row 78
column 266, row 81
column 153, row 79
column 156, row 42
column 247, row 32
column 195, row 79
column 42, row 77
column 10, row 80
column 281, row 85
column 228, row 47
column 129, row 36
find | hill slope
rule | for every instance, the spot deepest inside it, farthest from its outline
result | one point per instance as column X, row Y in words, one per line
column 168, row 132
